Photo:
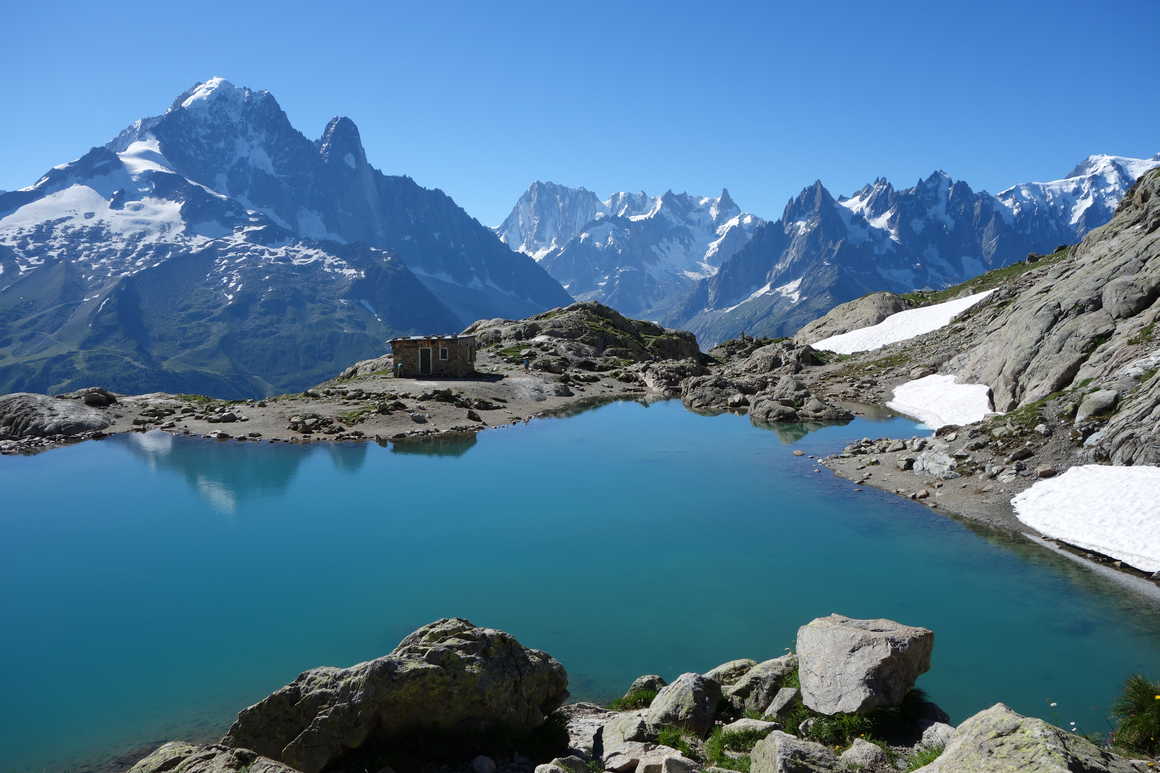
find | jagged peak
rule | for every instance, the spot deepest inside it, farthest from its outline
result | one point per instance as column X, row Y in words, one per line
column 216, row 90
column 341, row 142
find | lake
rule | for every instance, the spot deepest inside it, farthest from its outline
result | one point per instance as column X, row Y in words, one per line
column 153, row 586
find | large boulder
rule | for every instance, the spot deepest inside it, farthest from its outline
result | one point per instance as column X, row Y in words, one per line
column 23, row 414
column 181, row 757
column 689, row 702
column 998, row 740
column 447, row 677
column 849, row 665
column 780, row 752
column 755, row 689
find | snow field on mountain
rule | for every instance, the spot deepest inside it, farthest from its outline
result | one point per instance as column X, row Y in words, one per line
column 937, row 401
column 1111, row 510
column 900, row 327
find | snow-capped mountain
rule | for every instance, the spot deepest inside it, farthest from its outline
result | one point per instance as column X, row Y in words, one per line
column 215, row 248
column 633, row 251
column 1083, row 200
column 825, row 251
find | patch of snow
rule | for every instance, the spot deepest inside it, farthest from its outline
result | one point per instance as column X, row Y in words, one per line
column 144, row 156
column 349, row 159
column 1111, row 510
column 900, row 327
column 937, row 400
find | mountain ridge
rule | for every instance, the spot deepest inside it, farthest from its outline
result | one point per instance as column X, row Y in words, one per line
column 296, row 241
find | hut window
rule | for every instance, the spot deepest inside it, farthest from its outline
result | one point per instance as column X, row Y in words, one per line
column 442, row 352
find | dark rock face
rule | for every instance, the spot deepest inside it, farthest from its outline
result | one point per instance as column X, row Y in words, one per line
column 25, row 415
column 449, row 676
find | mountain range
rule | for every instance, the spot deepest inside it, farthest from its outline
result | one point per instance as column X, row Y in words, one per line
column 215, row 248
column 773, row 277
column 632, row 251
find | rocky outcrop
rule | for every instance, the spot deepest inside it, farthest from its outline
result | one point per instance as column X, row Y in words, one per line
column 998, row 740
column 586, row 331
column 849, row 665
column 646, row 683
column 1083, row 320
column 689, row 702
column 758, row 377
column 757, row 687
column 449, row 676
column 781, row 752
column 24, row 415
column 181, row 757
column 861, row 312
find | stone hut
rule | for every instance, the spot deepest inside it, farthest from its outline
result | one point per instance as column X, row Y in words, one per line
column 449, row 356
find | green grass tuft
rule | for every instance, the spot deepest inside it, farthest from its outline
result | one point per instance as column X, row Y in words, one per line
column 924, row 756
column 637, row 699
column 1138, row 712
column 680, row 739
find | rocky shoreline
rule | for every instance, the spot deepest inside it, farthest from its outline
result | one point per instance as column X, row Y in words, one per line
column 587, row 354
column 457, row 697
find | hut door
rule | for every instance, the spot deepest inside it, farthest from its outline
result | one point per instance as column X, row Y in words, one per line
column 425, row 362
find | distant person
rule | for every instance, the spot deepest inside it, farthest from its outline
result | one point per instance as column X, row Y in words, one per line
column 527, row 362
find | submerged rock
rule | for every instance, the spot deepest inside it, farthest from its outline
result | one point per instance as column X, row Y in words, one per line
column 449, row 676
column 850, row 665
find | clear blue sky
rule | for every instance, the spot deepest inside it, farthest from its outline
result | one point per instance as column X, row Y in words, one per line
column 481, row 98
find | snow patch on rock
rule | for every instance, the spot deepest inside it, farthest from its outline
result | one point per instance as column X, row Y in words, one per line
column 900, row 327
column 1111, row 510
column 937, row 401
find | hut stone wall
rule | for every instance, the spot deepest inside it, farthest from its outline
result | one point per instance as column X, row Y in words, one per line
column 419, row 356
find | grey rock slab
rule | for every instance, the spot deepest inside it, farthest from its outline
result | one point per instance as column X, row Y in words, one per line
column 747, row 725
column 730, row 672
column 568, row 764
column 849, row 665
column 755, row 690
column 689, row 702
column 583, row 722
column 181, row 757
column 448, row 676
column 998, row 740
column 1096, row 404
column 780, row 752
column 863, row 755
column 653, row 682
column 784, row 698
column 23, row 414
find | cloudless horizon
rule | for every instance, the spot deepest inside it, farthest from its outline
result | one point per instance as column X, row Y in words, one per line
column 480, row 100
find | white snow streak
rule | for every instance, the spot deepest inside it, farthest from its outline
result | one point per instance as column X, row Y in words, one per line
column 900, row 327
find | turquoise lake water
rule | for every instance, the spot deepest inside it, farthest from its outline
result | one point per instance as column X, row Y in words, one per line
column 152, row 587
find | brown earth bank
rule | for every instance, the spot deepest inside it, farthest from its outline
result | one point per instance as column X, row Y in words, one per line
column 454, row 697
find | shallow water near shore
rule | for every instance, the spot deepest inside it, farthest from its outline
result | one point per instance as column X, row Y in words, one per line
column 153, row 586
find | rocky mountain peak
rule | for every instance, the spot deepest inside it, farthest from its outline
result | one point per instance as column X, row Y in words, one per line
column 342, row 144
